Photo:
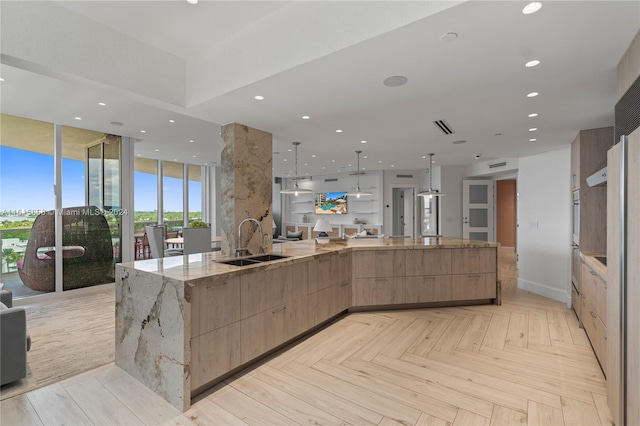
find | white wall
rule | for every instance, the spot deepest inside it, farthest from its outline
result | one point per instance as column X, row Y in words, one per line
column 544, row 224
column 371, row 181
column 451, row 203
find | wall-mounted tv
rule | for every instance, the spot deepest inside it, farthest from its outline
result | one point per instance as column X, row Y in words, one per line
column 331, row 203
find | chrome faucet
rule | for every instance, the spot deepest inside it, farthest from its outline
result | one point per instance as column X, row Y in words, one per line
column 240, row 251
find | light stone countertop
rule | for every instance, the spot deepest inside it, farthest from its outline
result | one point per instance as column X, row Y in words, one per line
column 205, row 265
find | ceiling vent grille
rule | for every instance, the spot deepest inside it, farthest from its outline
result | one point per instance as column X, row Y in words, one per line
column 494, row 165
column 443, row 126
column 331, row 180
column 405, row 176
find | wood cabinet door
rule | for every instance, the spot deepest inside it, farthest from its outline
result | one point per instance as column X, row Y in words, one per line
column 428, row 262
column 214, row 354
column 343, row 268
column 322, row 271
column 473, row 286
column 430, row 288
column 588, row 284
column 378, row 291
column 601, row 299
column 473, row 260
column 297, row 318
column 262, row 290
column 602, row 352
column 214, row 304
column 380, row 263
column 262, row 332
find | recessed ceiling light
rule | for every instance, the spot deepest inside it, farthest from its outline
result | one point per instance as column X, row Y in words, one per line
column 477, row 156
column 195, row 156
column 338, row 131
column 191, row 140
column 305, row 117
column 533, row 140
column 172, row 121
column 424, row 156
column 533, row 129
column 446, row 37
column 313, row 155
column 138, row 155
column 461, row 141
column 306, row 164
column 78, row 118
column 532, row 7
column 157, row 150
column 363, row 141
column 532, row 94
column 289, row 150
column 284, row 159
column 323, row 167
column 395, row 81
column 532, row 63
column 364, row 156
column 192, row 1
column 532, row 115
column 102, row 104
column 258, row 98
column 392, row 165
column 175, row 159
column 380, row 161
column 333, row 161
column 1, row 79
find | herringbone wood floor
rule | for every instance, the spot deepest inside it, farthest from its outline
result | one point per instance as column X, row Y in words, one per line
column 525, row 362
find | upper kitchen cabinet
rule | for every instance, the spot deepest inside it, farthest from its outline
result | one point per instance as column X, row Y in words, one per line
column 588, row 155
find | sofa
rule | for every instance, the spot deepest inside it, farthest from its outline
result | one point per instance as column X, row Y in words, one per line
column 14, row 340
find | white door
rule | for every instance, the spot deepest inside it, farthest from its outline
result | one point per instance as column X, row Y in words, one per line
column 477, row 210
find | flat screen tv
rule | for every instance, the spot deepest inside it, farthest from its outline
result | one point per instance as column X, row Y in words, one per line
column 331, row 203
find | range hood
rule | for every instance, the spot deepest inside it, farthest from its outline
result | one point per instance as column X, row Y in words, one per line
column 598, row 178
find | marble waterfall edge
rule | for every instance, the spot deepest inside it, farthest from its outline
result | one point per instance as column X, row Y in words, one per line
column 153, row 326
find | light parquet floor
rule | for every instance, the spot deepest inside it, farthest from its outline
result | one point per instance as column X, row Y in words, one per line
column 525, row 362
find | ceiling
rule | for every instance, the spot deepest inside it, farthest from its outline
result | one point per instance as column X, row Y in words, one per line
column 477, row 83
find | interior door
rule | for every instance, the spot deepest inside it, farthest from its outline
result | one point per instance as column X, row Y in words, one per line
column 478, row 210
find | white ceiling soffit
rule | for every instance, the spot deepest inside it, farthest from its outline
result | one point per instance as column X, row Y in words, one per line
column 477, row 83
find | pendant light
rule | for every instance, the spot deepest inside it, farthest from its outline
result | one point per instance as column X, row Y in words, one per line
column 430, row 192
column 358, row 193
column 296, row 190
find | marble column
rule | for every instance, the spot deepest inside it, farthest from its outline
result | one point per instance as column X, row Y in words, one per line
column 246, row 185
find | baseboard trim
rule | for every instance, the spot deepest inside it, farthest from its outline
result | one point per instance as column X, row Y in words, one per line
column 546, row 291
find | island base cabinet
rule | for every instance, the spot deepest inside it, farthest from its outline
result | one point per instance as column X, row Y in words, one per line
column 430, row 288
column 269, row 329
column 473, row 286
column 329, row 302
column 378, row 291
column 215, row 353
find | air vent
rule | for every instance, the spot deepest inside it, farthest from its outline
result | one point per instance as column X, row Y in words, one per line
column 442, row 125
column 494, row 165
column 404, row 176
column 331, row 180
column 627, row 112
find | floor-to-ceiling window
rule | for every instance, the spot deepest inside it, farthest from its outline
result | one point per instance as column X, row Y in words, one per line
column 195, row 193
column 26, row 193
column 87, row 245
column 173, row 195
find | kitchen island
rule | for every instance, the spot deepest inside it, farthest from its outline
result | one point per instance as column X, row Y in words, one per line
column 185, row 323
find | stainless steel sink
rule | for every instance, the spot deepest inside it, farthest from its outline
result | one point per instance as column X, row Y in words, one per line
column 254, row 260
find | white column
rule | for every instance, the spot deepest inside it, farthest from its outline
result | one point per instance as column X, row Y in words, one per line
column 127, row 199
column 57, row 191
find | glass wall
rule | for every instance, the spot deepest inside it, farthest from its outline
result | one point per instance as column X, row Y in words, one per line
column 26, row 195
column 195, row 193
column 172, row 195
